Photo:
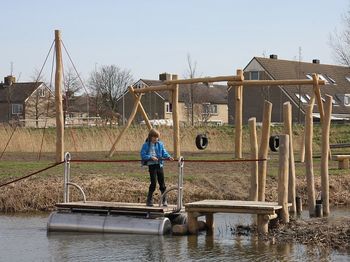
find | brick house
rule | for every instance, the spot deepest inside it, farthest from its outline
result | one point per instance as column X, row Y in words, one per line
column 29, row 103
column 337, row 85
column 209, row 102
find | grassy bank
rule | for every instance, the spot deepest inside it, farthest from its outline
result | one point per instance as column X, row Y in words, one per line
column 128, row 182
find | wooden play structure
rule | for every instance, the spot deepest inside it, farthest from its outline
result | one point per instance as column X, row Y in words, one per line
column 256, row 205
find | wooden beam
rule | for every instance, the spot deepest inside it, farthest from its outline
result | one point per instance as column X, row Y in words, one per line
column 283, row 172
column 238, row 117
column 253, row 196
column 274, row 82
column 140, row 108
column 287, row 119
column 153, row 88
column 131, row 118
column 203, row 80
column 325, row 153
column 58, row 99
column 176, row 131
column 311, row 201
column 264, row 147
column 316, row 87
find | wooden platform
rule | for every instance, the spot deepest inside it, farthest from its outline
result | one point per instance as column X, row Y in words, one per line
column 264, row 210
column 115, row 207
column 343, row 161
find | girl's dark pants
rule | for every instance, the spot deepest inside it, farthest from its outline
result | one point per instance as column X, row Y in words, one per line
column 156, row 173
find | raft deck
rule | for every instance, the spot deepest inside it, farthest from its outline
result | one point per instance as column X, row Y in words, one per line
column 116, row 208
column 264, row 210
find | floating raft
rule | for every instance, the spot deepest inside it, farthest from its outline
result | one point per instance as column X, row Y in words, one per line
column 111, row 217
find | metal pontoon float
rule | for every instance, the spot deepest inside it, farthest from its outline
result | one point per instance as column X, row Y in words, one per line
column 115, row 217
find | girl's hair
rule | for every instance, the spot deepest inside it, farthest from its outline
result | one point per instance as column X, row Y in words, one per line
column 153, row 133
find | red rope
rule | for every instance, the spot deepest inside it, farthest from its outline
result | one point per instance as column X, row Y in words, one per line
column 31, row 174
column 139, row 160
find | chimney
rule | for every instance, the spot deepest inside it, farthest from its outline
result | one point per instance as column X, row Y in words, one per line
column 315, row 61
column 273, row 56
column 164, row 76
column 9, row 80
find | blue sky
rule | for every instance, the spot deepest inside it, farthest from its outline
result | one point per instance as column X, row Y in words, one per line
column 149, row 37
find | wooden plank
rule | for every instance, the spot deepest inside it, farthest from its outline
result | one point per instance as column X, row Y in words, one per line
column 203, row 80
column 233, row 204
column 340, row 157
column 99, row 205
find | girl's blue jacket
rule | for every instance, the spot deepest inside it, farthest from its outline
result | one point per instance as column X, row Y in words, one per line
column 160, row 152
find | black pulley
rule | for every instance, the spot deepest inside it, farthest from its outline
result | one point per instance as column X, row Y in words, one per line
column 274, row 143
column 201, row 141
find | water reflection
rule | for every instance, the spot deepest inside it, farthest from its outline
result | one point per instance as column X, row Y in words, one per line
column 25, row 239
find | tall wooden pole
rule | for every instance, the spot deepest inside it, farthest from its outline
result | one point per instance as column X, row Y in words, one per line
column 324, row 157
column 308, row 161
column 263, row 150
column 283, row 171
column 238, row 116
column 58, row 99
column 287, row 118
column 176, row 123
column 254, row 164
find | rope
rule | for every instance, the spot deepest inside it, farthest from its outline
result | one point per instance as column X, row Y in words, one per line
column 31, row 174
column 8, row 141
column 139, row 160
column 48, row 105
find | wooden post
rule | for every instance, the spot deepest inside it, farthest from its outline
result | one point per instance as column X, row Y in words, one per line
column 192, row 223
column 131, row 118
column 308, row 161
column 141, row 109
column 324, row 157
column 209, row 220
column 253, row 155
column 58, row 100
column 283, row 172
column 176, row 124
column 318, row 97
column 238, row 116
column 287, row 118
column 263, row 150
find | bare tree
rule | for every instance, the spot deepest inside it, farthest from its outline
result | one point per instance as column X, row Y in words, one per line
column 191, row 73
column 41, row 102
column 340, row 42
column 72, row 86
column 108, row 83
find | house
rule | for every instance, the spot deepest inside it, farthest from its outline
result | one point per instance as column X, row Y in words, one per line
column 337, row 80
column 29, row 103
column 209, row 103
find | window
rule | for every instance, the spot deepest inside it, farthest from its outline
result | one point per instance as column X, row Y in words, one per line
column 301, row 98
column 41, row 92
column 168, row 107
column 17, row 109
column 254, row 75
column 346, row 99
column 210, row 109
column 309, row 76
column 347, row 78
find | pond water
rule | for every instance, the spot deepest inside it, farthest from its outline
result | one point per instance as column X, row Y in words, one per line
column 24, row 238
